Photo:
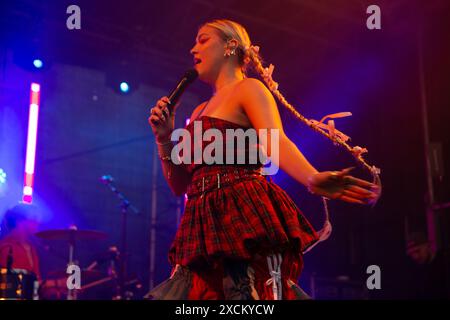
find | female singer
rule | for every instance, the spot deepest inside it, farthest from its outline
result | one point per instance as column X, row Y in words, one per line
column 241, row 236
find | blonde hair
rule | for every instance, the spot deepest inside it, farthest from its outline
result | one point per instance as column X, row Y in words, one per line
column 231, row 30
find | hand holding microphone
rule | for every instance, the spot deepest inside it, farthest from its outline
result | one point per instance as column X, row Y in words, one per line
column 162, row 115
column 162, row 120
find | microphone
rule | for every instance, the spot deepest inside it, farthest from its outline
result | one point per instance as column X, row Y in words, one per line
column 107, row 179
column 176, row 93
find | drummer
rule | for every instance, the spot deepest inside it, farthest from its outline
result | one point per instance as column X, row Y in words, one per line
column 17, row 250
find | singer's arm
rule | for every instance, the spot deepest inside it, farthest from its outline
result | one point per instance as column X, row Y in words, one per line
column 262, row 111
column 177, row 176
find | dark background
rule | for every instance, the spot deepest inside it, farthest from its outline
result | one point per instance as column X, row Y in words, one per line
column 326, row 61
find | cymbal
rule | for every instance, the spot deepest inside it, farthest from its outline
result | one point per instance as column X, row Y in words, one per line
column 71, row 235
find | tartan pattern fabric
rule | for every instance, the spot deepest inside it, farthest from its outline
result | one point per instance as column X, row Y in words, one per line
column 248, row 215
column 206, row 122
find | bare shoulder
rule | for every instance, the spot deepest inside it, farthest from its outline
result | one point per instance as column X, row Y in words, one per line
column 259, row 104
column 254, row 92
column 249, row 85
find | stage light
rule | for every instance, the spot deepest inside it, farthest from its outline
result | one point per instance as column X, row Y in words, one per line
column 32, row 58
column 27, row 191
column 123, row 80
column 35, row 87
column 3, row 183
column 31, row 142
column 38, row 63
column 124, row 87
column 2, row 176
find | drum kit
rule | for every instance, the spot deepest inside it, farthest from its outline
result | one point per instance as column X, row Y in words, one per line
column 22, row 284
column 18, row 284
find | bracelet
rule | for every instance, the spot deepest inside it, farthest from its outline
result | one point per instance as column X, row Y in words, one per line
column 165, row 158
column 310, row 190
column 308, row 186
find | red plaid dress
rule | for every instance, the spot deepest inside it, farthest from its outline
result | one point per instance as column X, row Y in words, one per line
column 233, row 211
column 241, row 236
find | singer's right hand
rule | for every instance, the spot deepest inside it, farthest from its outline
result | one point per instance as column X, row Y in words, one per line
column 161, row 121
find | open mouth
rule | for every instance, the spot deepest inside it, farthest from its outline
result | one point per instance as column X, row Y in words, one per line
column 197, row 61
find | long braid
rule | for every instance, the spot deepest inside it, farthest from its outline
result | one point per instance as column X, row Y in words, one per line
column 272, row 85
column 253, row 57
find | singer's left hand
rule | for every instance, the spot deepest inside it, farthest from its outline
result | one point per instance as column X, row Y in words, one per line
column 340, row 185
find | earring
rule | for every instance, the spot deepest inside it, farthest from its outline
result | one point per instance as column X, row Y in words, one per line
column 229, row 53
